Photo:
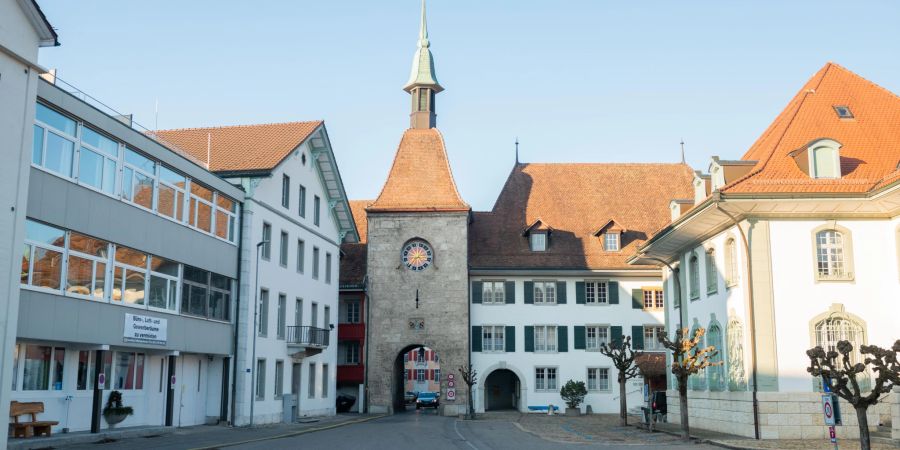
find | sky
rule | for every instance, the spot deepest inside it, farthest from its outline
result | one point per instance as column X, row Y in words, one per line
column 573, row 80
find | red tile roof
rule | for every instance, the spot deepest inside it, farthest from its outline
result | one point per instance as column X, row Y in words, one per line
column 353, row 260
column 420, row 178
column 574, row 201
column 870, row 150
column 243, row 147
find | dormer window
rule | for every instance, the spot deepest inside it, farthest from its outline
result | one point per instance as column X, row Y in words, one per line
column 538, row 241
column 611, row 241
column 824, row 159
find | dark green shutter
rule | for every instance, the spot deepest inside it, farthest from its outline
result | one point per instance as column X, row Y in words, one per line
column 529, row 292
column 476, row 338
column 580, row 337
column 637, row 299
column 509, row 289
column 510, row 336
column 561, row 292
column 579, row 292
column 615, row 335
column 562, row 339
column 613, row 288
column 637, row 337
column 529, row 338
column 477, row 290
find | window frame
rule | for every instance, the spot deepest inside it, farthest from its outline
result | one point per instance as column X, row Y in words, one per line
column 546, row 287
column 544, row 372
column 732, row 266
column 316, row 257
column 597, row 378
column 712, row 274
column 592, row 292
column 598, row 330
column 301, row 193
column 824, row 144
column 301, row 256
column 279, row 379
column 497, row 340
column 260, row 388
column 612, row 237
column 694, row 276
column 283, row 249
column 548, row 339
column 656, row 299
column 317, row 210
column 846, row 253
column 489, row 295
column 537, row 241
column 285, row 190
column 653, row 344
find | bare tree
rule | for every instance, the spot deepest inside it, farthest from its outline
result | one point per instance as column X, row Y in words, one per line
column 841, row 375
column 687, row 359
column 470, row 377
column 622, row 356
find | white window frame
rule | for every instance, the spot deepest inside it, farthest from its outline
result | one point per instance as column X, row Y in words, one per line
column 118, row 279
column 612, row 241
column 693, row 264
column 712, row 271
column 547, row 290
column 601, row 335
column 597, row 387
column 812, row 152
column 546, row 339
column 493, row 338
column 543, row 378
column 846, row 254
column 175, row 303
column 596, row 292
column 538, row 241
column 732, row 269
column 179, row 193
column 493, row 292
column 63, row 267
column 651, row 337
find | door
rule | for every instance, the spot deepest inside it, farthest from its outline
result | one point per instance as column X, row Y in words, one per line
column 190, row 392
column 155, row 385
column 295, row 388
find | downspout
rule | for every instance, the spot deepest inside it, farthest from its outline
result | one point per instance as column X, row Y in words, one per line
column 237, row 317
column 753, row 368
column 366, row 342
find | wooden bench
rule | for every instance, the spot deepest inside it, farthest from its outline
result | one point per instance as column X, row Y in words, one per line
column 33, row 428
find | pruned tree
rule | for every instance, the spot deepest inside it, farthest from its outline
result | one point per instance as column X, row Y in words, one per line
column 470, row 377
column 688, row 359
column 573, row 393
column 623, row 357
column 842, row 376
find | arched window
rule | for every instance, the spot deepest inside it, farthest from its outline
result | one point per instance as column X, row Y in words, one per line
column 835, row 326
column 716, row 374
column 825, row 161
column 698, row 381
column 694, row 273
column 712, row 273
column 737, row 378
column 833, row 253
column 731, row 263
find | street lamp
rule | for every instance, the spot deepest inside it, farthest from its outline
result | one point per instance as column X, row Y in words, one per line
column 255, row 325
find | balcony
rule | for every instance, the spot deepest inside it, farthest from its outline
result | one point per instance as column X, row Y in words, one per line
column 352, row 331
column 307, row 341
column 350, row 373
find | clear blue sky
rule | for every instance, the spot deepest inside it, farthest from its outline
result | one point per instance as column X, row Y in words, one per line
column 576, row 81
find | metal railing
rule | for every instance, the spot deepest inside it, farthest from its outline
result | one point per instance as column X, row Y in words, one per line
column 306, row 335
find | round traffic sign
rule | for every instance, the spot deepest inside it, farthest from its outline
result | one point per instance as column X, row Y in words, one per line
column 828, row 411
column 451, row 394
column 451, row 377
column 451, row 384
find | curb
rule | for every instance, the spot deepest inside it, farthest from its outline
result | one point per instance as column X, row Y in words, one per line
column 291, row 434
column 697, row 440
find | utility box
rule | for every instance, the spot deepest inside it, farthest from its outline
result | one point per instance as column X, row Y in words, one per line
column 288, row 410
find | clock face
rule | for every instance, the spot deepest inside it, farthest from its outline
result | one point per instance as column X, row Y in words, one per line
column 417, row 255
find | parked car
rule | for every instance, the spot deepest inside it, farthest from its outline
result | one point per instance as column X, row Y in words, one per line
column 410, row 397
column 427, row 400
column 344, row 402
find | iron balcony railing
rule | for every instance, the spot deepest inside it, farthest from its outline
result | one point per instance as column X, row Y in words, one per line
column 310, row 336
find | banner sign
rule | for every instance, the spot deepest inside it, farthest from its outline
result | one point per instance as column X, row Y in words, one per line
column 145, row 329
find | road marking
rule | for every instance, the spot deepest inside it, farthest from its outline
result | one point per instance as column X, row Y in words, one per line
column 456, row 429
column 292, row 434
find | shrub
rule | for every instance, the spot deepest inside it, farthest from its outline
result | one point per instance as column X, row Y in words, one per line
column 573, row 393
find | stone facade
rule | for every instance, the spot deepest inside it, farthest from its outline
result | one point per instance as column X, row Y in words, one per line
column 443, row 301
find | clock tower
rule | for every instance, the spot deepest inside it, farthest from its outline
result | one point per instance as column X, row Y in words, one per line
column 417, row 260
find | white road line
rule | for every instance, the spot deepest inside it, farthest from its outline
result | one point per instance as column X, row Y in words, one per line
column 455, row 422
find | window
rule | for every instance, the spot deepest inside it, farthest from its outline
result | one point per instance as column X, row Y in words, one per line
column 163, row 286
column 544, row 292
column 302, row 195
column 129, row 371
column 86, row 269
column 833, row 254
column 283, row 250
column 837, row 325
column 226, row 217
column 298, row 312
column 205, row 294
column 349, row 311
column 712, row 273
column 651, row 338
column 348, row 353
column 420, row 375
column 171, row 195
column 97, row 160
column 15, row 364
column 279, row 379
column 301, row 255
column 538, row 242
column 825, row 161
column 843, row 112
column 261, row 379
column 596, row 293
column 731, row 263
column 545, row 378
column 327, row 268
column 611, row 241
column 263, row 312
column 36, row 375
column 325, row 380
column 326, row 313
column 317, row 213
column 138, row 176
column 85, row 377
column 314, row 315
column 653, row 298
column 597, row 379
column 697, row 381
column 493, row 292
column 437, row 376
column 42, row 258
column 595, row 337
column 694, row 269
column 129, row 276
column 282, row 311
column 267, row 241
column 492, row 339
column 545, row 338
column 311, row 387
column 285, row 191
column 315, row 261
column 715, row 374
column 56, row 133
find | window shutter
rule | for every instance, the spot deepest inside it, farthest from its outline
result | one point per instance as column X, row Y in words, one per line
column 510, row 336
column 579, row 292
column 476, row 338
column 561, row 292
column 477, row 290
column 580, row 337
column 562, row 339
column 615, row 335
column 637, row 337
column 613, row 287
column 509, row 288
column 529, row 338
column 637, row 299
column 529, row 292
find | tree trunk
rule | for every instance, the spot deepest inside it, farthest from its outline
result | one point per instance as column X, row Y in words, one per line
column 864, row 443
column 683, row 403
column 471, row 403
column 623, row 406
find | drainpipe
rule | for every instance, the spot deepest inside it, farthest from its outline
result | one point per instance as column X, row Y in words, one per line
column 366, row 302
column 751, row 311
column 237, row 317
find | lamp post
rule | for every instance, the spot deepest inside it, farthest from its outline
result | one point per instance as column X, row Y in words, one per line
column 255, row 325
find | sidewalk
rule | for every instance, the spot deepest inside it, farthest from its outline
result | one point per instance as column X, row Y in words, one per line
column 199, row 437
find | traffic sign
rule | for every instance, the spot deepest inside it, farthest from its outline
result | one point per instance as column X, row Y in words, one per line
column 451, row 395
column 828, row 409
column 451, row 384
column 451, row 377
column 101, row 381
column 832, row 434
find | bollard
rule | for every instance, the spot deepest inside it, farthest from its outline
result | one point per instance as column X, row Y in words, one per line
column 550, row 409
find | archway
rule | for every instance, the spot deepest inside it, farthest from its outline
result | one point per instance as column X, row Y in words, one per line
column 502, row 390
column 417, row 368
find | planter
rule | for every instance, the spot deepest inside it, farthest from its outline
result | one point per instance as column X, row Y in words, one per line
column 573, row 411
column 113, row 418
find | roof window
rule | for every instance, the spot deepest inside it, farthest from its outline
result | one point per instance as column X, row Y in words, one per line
column 843, row 112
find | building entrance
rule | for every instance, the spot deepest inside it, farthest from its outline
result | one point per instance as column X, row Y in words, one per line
column 417, row 369
column 501, row 390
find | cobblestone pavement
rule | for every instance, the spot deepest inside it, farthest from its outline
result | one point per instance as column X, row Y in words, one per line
column 588, row 429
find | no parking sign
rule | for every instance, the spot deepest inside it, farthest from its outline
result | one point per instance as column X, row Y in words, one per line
column 451, row 387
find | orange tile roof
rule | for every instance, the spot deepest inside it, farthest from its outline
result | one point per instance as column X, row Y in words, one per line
column 870, row 150
column 420, row 178
column 574, row 201
column 243, row 147
column 353, row 260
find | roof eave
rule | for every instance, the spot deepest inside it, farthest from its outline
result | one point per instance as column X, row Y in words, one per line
column 46, row 34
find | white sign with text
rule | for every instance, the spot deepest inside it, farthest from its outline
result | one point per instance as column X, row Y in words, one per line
column 145, row 329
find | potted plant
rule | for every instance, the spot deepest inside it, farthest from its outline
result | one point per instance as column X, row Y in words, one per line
column 573, row 393
column 114, row 412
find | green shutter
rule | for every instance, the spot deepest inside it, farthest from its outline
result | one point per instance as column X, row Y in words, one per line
column 613, row 288
column 529, row 292
column 615, row 335
column 637, row 299
column 562, row 339
column 476, row 338
column 637, row 337
column 561, row 292
column 579, row 292
column 529, row 338
column 477, row 290
column 510, row 336
column 580, row 337
column 509, row 289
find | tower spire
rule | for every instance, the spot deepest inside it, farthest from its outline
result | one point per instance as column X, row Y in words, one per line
column 423, row 83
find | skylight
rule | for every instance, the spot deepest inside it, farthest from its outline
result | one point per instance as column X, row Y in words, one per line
column 843, row 112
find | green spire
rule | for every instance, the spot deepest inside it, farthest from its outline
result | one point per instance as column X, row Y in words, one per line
column 422, row 73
